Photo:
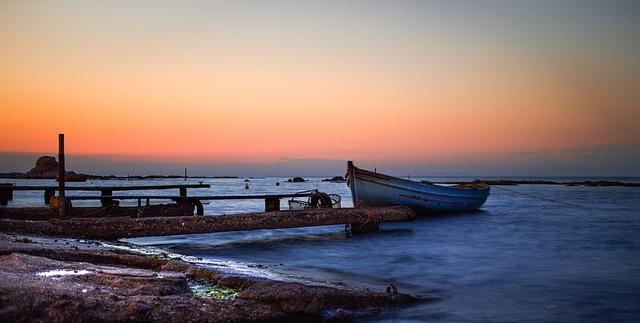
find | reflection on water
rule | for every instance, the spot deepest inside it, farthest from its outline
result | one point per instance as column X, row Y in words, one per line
column 535, row 253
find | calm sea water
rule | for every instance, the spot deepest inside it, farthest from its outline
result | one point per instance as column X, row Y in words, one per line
column 536, row 253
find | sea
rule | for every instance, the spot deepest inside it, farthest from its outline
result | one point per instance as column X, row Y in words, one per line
column 534, row 253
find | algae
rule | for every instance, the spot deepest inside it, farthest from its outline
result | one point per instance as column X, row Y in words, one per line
column 214, row 291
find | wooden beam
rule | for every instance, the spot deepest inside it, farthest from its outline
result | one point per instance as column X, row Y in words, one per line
column 202, row 197
column 113, row 188
column 123, row 227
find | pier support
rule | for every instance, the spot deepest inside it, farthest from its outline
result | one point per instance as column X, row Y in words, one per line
column 271, row 204
column 6, row 193
column 106, row 201
column 48, row 193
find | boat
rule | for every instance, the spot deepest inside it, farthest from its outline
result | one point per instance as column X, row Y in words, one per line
column 374, row 189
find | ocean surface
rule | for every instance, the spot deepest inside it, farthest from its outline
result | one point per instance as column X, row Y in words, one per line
column 535, row 253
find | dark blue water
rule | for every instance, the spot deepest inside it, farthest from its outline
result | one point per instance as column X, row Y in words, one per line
column 535, row 253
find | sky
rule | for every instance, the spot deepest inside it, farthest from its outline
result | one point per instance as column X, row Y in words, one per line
column 276, row 87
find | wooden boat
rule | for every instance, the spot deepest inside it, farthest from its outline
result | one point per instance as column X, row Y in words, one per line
column 373, row 189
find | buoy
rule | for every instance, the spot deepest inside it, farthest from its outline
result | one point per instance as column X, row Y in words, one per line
column 277, row 183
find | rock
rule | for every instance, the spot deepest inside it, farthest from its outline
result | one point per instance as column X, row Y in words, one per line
column 46, row 167
column 110, row 285
column 296, row 180
column 335, row 179
column 73, row 177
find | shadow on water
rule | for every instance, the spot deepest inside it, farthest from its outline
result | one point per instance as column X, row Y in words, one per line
column 213, row 242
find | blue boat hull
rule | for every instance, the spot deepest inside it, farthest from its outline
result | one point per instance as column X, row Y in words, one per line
column 373, row 189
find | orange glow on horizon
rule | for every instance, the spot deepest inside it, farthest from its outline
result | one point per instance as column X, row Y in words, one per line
column 261, row 102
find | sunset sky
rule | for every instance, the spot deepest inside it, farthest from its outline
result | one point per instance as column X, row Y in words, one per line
column 432, row 87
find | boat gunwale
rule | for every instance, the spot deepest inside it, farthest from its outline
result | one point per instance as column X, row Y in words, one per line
column 384, row 181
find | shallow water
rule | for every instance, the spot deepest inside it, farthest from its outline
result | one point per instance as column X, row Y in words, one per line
column 535, row 253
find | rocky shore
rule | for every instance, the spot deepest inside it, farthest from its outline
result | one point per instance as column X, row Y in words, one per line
column 59, row 279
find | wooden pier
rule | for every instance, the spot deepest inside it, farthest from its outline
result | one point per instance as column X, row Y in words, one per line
column 111, row 221
column 360, row 219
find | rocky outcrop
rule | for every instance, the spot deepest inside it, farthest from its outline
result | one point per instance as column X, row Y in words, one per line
column 46, row 168
column 296, row 180
column 335, row 179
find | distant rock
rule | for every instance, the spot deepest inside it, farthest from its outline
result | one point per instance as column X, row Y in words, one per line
column 46, row 168
column 296, row 180
column 13, row 175
column 73, row 177
column 335, row 179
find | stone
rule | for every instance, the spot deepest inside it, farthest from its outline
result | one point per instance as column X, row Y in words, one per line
column 335, row 179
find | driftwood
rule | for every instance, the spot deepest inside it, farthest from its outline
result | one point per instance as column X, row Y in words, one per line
column 124, row 227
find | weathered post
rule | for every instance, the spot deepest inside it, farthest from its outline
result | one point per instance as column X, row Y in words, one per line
column 351, row 174
column 183, row 192
column 48, row 193
column 271, row 203
column 185, row 174
column 6, row 193
column 106, row 201
column 61, row 176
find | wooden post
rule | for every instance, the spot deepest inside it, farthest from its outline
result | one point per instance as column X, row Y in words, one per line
column 47, row 196
column 183, row 192
column 351, row 173
column 185, row 174
column 105, row 201
column 10, row 193
column 272, row 203
column 6, row 193
column 61, row 176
